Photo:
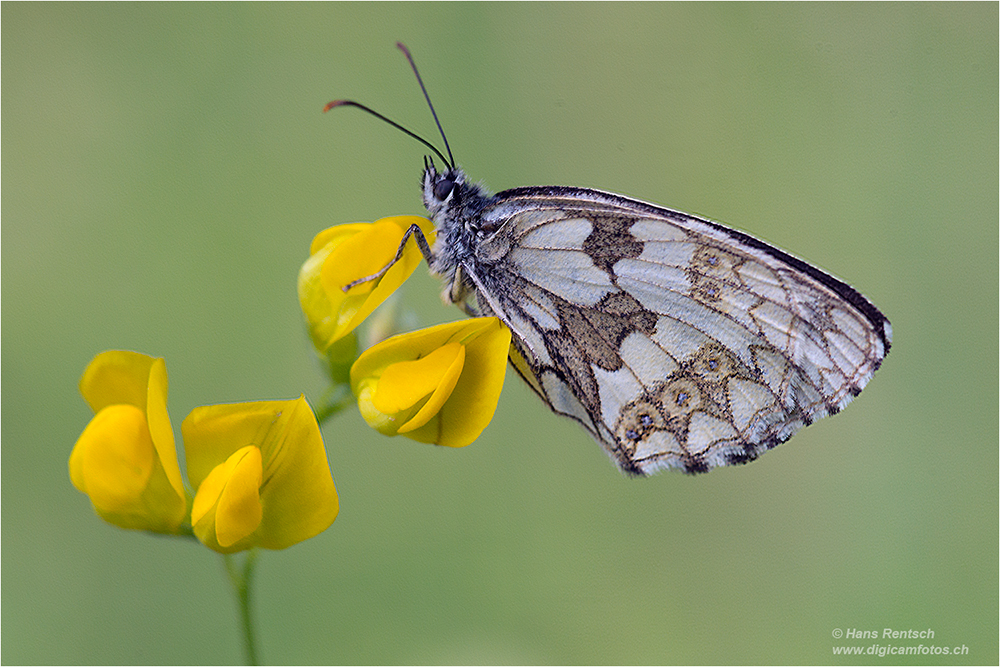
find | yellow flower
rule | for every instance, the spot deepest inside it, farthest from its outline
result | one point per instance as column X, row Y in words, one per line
column 438, row 385
column 261, row 474
column 343, row 254
column 125, row 459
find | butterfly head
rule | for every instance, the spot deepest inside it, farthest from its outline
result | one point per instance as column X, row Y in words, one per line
column 442, row 190
column 439, row 188
column 449, row 197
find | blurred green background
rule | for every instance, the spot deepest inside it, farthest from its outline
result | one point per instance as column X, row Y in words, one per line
column 165, row 167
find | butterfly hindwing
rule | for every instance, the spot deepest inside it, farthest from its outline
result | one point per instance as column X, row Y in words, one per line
column 674, row 341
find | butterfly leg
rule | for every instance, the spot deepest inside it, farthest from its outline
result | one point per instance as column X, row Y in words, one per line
column 425, row 250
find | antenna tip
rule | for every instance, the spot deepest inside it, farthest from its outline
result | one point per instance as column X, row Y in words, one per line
column 335, row 103
column 402, row 47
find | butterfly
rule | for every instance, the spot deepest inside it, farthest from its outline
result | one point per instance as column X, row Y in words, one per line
column 675, row 341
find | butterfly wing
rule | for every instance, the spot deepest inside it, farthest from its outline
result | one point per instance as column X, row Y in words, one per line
column 675, row 341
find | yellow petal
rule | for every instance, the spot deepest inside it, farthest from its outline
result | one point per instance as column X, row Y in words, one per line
column 406, row 382
column 335, row 235
column 466, row 392
column 320, row 313
column 297, row 495
column 474, row 399
column 125, row 460
column 386, row 424
column 116, row 376
column 442, row 392
column 342, row 256
column 239, row 512
column 160, row 430
column 207, row 494
column 114, row 462
column 366, row 254
column 227, row 508
column 360, row 256
column 113, row 459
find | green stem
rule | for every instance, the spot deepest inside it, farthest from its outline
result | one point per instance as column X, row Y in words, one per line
column 333, row 401
column 241, row 586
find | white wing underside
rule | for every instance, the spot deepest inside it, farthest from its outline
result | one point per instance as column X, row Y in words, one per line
column 674, row 341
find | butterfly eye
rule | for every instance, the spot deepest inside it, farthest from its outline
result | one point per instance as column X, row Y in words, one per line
column 443, row 188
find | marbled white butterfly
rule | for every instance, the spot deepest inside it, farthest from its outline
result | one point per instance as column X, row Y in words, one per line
column 675, row 341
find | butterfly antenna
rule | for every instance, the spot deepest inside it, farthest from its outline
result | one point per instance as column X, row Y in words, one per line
column 351, row 103
column 406, row 52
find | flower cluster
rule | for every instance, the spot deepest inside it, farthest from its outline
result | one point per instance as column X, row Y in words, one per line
column 438, row 385
column 257, row 473
column 259, row 470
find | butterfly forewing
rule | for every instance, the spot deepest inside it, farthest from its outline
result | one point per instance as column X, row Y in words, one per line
column 675, row 341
